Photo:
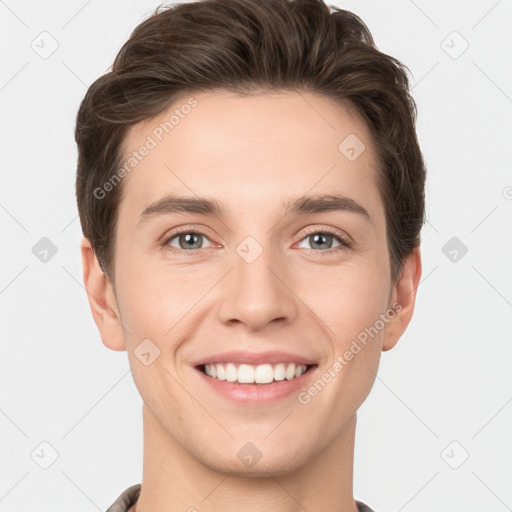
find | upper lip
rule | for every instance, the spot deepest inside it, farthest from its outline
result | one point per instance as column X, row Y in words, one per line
column 254, row 358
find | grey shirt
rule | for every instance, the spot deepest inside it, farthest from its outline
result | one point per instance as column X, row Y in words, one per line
column 131, row 495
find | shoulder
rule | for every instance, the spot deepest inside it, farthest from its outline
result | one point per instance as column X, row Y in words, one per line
column 361, row 507
column 126, row 499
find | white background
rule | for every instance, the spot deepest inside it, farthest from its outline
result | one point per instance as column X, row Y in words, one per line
column 447, row 380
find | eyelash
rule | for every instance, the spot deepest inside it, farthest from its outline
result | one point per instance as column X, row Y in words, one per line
column 345, row 242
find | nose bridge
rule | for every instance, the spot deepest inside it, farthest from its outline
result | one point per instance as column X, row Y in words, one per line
column 256, row 294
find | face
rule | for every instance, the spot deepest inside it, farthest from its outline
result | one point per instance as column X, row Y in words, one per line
column 278, row 257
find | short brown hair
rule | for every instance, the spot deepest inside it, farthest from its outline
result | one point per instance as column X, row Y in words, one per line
column 244, row 46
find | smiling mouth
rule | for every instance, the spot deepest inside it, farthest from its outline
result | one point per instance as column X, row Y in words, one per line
column 255, row 374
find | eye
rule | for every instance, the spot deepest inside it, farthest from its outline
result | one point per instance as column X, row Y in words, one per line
column 323, row 240
column 187, row 240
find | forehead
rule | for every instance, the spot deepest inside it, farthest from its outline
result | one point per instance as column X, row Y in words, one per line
column 246, row 150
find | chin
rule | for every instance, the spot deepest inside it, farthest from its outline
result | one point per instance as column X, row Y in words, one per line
column 275, row 464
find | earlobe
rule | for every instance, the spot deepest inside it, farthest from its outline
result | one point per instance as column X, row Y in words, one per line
column 102, row 301
column 404, row 295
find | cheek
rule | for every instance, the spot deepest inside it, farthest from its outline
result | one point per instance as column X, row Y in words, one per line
column 347, row 299
column 145, row 301
column 158, row 303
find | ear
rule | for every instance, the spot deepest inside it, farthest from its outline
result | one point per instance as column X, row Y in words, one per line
column 102, row 300
column 404, row 295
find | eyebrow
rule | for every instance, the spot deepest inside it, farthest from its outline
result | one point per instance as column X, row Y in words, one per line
column 209, row 206
column 326, row 203
column 182, row 204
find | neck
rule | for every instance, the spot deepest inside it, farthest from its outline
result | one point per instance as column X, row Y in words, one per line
column 175, row 480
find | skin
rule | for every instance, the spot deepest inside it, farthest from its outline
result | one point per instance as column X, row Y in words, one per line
column 250, row 153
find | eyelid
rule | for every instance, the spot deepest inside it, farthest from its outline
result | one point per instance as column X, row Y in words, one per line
column 345, row 238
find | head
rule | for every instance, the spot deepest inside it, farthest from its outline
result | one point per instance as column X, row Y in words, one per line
column 249, row 179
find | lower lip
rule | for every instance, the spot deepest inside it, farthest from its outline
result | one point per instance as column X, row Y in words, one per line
column 257, row 393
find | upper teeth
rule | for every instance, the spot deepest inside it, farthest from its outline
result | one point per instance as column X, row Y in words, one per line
column 248, row 374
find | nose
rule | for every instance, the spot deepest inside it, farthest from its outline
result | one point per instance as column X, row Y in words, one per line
column 258, row 293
